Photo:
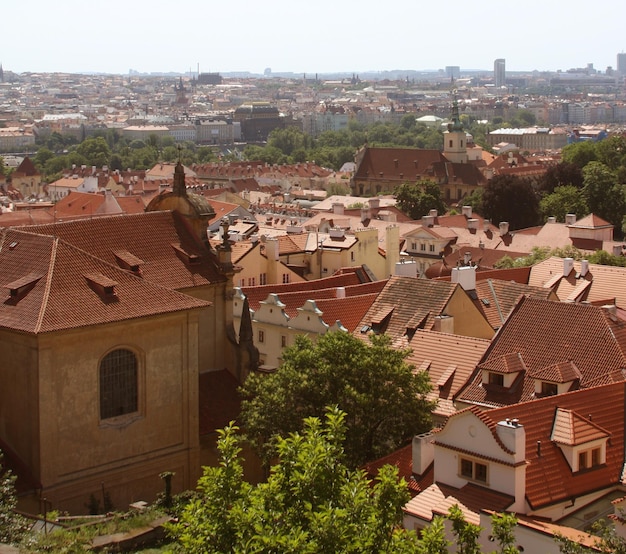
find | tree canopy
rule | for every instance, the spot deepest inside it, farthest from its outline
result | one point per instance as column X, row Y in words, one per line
column 311, row 502
column 603, row 193
column 384, row 400
column 564, row 200
column 509, row 198
column 419, row 198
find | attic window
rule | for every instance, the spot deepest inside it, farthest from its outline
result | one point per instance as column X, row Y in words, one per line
column 381, row 319
column 23, row 285
column 485, row 301
column 101, row 285
column 496, row 379
column 187, row 257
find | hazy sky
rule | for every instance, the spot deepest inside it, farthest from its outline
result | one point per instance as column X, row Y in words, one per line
column 321, row 36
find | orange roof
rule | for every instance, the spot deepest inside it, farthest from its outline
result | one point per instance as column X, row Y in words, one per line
column 406, row 303
column 449, row 360
column 549, row 478
column 146, row 236
column 51, row 285
column 541, row 333
column 348, row 277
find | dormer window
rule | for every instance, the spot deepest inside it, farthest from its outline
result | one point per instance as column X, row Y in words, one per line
column 21, row 286
column 549, row 389
column 582, row 442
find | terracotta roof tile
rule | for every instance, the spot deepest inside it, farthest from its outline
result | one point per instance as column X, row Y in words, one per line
column 412, row 300
column 142, row 235
column 549, row 478
column 67, row 295
column 544, row 333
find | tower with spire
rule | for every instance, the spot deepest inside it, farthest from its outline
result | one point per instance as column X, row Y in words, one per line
column 454, row 138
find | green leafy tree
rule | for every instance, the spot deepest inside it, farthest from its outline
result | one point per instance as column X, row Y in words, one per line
column 433, row 538
column 612, row 152
column 561, row 174
column 288, row 140
column 311, row 502
column 12, row 525
column 603, row 194
column 579, row 153
column 509, row 198
column 465, row 533
column 503, row 529
column 384, row 400
column 418, row 199
column 95, row 151
column 564, row 200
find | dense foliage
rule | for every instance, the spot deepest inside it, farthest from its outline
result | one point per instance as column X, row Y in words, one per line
column 384, row 401
column 311, row 502
column 417, row 199
column 511, row 199
column 12, row 525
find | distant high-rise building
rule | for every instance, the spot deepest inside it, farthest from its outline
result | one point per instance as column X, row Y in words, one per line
column 499, row 72
column 453, row 71
column 621, row 63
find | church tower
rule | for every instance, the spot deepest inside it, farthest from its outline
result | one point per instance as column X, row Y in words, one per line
column 454, row 139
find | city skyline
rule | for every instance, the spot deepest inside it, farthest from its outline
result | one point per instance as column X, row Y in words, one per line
column 329, row 37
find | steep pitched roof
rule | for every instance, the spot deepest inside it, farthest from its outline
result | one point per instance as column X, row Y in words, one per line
column 399, row 164
column 543, row 333
column 51, row 285
column 449, row 360
column 549, row 478
column 405, row 303
column 606, row 282
column 496, row 298
column 146, row 236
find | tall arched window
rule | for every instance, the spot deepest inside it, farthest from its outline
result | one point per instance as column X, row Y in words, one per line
column 118, row 384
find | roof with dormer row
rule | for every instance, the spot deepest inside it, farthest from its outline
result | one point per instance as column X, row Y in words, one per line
column 146, row 236
column 51, row 285
column 541, row 333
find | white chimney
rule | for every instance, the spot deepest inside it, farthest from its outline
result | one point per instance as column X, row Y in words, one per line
column 504, row 227
column 340, row 292
column 423, row 452
column 406, row 269
column 568, row 265
column 338, row 208
column 464, row 276
column 432, row 213
column 467, row 257
column 466, row 211
column 552, row 219
column 428, row 220
column 570, row 219
column 513, row 436
column 271, row 249
column 584, row 267
column 472, row 224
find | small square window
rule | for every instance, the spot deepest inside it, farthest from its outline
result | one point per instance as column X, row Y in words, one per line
column 480, row 472
column 596, row 457
column 467, row 468
column 496, row 379
column 549, row 389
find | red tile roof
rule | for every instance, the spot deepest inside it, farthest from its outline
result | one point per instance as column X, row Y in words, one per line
column 543, row 333
column 347, row 277
column 144, row 236
column 549, row 478
column 406, row 302
column 51, row 285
